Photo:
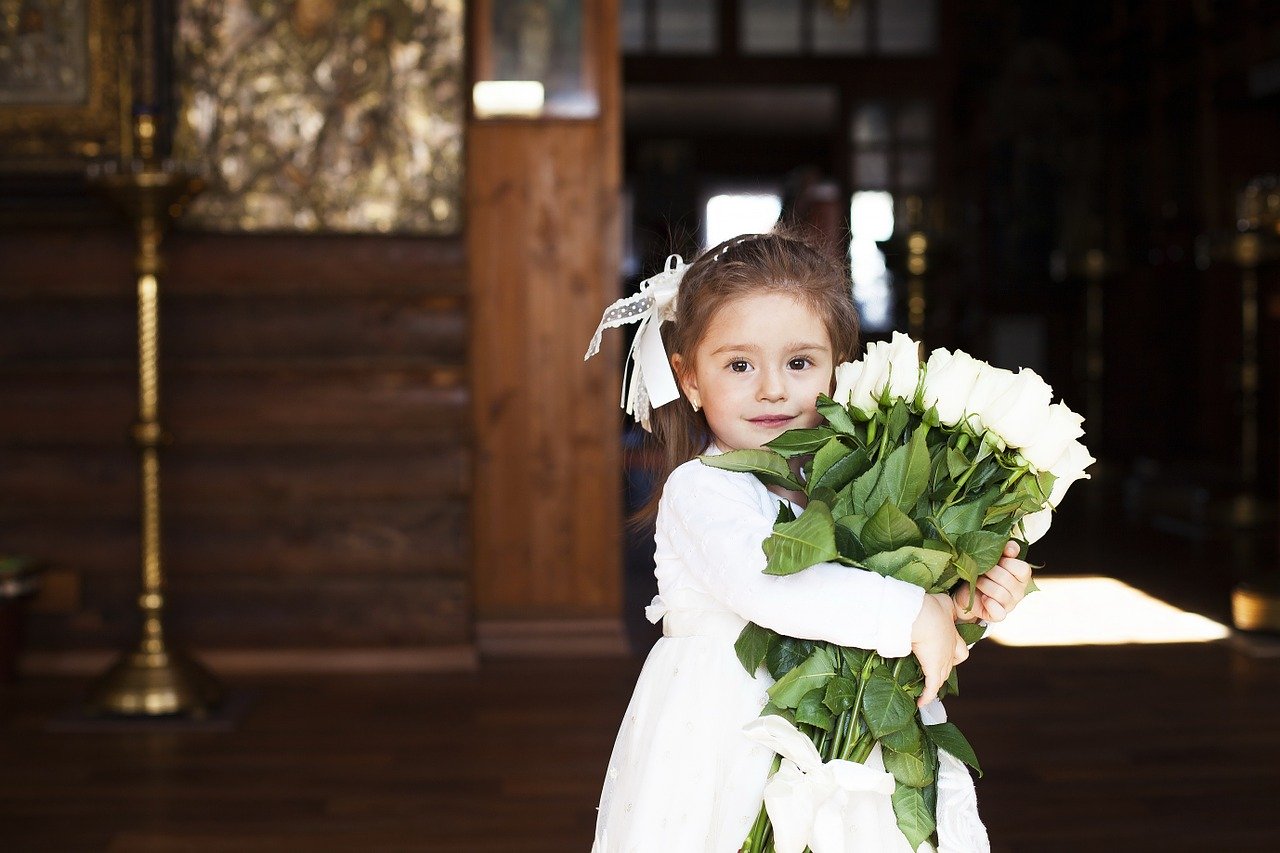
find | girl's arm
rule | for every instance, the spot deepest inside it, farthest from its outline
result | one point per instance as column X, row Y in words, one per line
column 713, row 521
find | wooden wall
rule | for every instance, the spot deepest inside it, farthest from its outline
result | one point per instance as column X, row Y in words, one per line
column 316, row 490
column 543, row 247
column 379, row 443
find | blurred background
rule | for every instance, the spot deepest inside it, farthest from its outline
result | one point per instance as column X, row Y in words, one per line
column 293, row 300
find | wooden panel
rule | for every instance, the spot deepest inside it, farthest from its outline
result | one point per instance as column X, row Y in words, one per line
column 374, row 540
column 100, row 262
column 102, row 481
column 51, row 330
column 241, row 404
column 316, row 490
column 543, row 245
column 229, row 611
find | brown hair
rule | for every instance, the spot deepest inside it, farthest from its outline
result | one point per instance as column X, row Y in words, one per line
column 783, row 261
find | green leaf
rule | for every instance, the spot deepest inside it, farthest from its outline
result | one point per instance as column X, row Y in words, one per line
column 948, row 737
column 891, row 562
column 970, row 632
column 863, row 485
column 829, row 454
column 840, row 695
column 771, row 709
column 847, row 542
column 897, row 421
column 852, row 661
column 785, row 654
column 767, row 465
column 952, row 685
column 843, row 471
column 983, row 546
column 966, row 568
column 837, row 415
column 908, row 672
column 931, row 417
column 961, row 518
column 905, row 475
column 785, row 513
column 957, row 463
column 1031, row 585
column 814, row 673
column 796, row 545
column 909, row 768
column 915, row 817
column 907, row 740
column 889, row 529
column 751, row 646
column 886, row 706
column 795, row 442
column 1044, row 485
column 811, row 710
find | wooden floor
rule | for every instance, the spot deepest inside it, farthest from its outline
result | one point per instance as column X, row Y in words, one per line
column 1136, row 748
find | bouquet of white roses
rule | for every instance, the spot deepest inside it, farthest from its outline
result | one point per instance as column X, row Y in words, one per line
column 921, row 473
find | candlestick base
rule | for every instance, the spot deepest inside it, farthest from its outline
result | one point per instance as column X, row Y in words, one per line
column 155, row 683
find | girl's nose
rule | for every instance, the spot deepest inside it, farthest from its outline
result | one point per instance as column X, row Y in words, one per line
column 772, row 387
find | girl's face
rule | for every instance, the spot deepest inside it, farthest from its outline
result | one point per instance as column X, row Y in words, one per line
column 759, row 369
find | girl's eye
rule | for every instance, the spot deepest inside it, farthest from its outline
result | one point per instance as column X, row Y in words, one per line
column 739, row 366
column 798, row 363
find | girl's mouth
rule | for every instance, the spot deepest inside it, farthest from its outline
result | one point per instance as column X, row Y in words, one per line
column 772, row 420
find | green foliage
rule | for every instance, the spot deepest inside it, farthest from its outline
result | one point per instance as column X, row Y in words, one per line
column 914, row 814
column 812, row 674
column 947, row 736
column 784, row 654
column 751, row 646
column 889, row 529
column 769, row 466
column 796, row 545
column 892, row 491
column 795, row 442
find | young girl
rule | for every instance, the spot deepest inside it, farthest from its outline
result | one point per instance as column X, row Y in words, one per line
column 754, row 329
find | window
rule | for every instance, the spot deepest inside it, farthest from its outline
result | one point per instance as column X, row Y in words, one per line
column 851, row 27
column 732, row 213
column 870, row 220
column 892, row 146
column 670, row 26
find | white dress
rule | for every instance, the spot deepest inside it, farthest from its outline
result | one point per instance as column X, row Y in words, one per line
column 683, row 777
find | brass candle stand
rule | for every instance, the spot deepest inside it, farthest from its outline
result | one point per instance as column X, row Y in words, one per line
column 152, row 679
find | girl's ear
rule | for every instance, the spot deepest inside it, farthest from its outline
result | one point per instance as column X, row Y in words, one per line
column 688, row 381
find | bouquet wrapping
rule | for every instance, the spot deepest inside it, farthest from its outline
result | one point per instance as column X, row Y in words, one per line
column 921, row 473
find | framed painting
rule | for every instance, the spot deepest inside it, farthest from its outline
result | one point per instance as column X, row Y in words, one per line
column 319, row 115
column 60, row 101
column 534, row 59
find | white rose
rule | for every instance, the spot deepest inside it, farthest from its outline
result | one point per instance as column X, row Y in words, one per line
column 1059, row 429
column 904, row 367
column 1069, row 468
column 847, row 374
column 948, row 379
column 1018, row 415
column 1035, row 525
column 987, row 388
column 870, row 380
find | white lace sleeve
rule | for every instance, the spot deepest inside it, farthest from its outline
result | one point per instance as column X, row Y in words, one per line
column 713, row 521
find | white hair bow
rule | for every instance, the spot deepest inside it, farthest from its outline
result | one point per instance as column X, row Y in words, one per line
column 837, row 807
column 648, row 381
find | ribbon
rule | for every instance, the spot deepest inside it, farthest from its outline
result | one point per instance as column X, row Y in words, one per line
column 648, row 381
column 836, row 807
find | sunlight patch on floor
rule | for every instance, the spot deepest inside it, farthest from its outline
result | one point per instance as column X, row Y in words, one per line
column 1094, row 610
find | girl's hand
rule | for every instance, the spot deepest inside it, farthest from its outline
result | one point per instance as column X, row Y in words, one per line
column 937, row 645
column 999, row 590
